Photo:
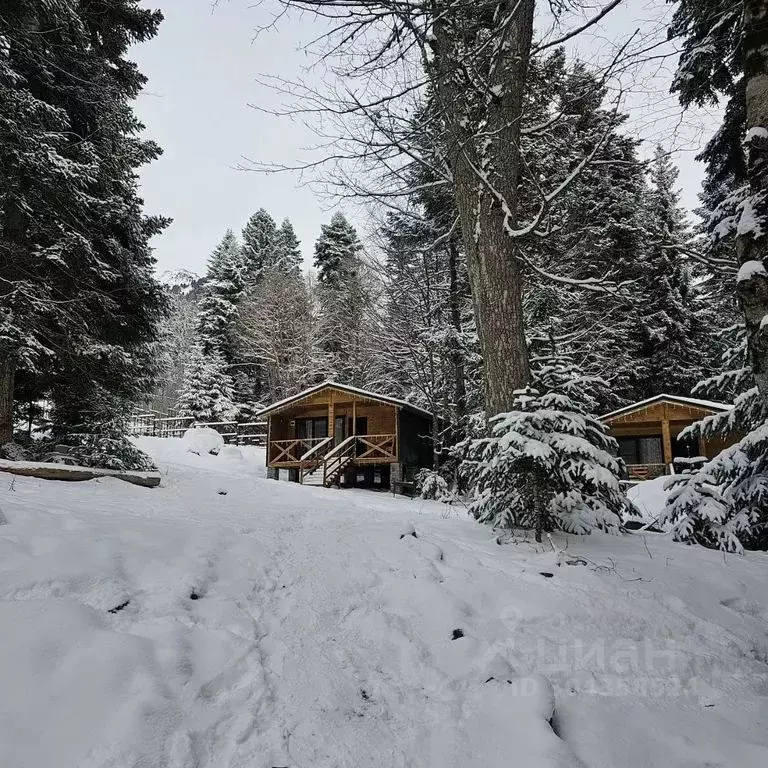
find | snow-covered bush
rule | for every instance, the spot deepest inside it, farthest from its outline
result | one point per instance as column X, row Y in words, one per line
column 99, row 438
column 105, row 451
column 13, row 452
column 548, row 463
column 202, row 440
column 725, row 503
column 432, row 485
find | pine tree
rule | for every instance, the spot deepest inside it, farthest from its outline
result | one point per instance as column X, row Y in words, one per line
column 177, row 336
column 344, row 289
column 595, row 230
column 206, row 394
column 725, row 56
column 548, row 463
column 678, row 343
column 224, row 285
column 337, row 252
column 286, row 256
column 259, row 239
column 80, row 303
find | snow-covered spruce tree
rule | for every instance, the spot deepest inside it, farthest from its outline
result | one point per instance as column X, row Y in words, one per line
column 678, row 343
column 286, row 256
column 548, row 462
column 177, row 335
column 258, row 238
column 596, row 229
column 725, row 55
column 725, row 503
column 206, row 394
column 427, row 326
column 80, row 303
column 345, row 336
column 224, row 284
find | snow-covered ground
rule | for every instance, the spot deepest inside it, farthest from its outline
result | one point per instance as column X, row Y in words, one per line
column 266, row 624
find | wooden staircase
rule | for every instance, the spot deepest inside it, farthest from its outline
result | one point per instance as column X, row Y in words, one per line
column 337, row 460
column 312, row 461
column 324, row 463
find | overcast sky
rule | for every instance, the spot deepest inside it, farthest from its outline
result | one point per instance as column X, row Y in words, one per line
column 202, row 70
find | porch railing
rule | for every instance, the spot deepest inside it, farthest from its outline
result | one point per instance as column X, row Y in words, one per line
column 291, row 451
column 376, row 448
column 646, row 471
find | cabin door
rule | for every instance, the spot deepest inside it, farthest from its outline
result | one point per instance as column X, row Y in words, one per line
column 361, row 425
column 339, row 431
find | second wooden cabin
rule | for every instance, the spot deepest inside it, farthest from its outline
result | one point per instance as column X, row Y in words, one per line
column 649, row 433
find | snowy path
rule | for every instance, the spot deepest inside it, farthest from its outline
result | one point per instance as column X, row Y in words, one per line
column 263, row 624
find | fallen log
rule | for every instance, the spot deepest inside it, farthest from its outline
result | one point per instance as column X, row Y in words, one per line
column 51, row 471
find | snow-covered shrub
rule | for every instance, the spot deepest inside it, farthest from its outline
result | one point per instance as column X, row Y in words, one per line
column 13, row 452
column 548, row 463
column 432, row 485
column 203, row 440
column 724, row 504
column 99, row 438
column 105, row 451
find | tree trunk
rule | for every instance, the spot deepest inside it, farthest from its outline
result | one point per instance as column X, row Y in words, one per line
column 459, row 374
column 483, row 117
column 7, row 376
column 751, row 245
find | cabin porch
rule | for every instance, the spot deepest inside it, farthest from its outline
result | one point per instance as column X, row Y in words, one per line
column 329, row 433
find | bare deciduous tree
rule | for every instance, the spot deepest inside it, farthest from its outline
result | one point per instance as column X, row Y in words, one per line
column 469, row 59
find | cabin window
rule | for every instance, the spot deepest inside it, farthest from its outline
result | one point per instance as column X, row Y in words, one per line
column 641, row 450
column 312, row 429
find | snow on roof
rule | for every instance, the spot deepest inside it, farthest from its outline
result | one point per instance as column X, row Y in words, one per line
column 346, row 388
column 711, row 404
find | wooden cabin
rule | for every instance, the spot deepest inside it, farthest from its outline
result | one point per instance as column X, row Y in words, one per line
column 333, row 434
column 648, row 433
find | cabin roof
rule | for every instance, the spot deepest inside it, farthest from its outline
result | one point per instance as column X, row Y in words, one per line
column 710, row 405
column 344, row 388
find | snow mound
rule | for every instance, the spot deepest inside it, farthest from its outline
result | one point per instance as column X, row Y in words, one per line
column 749, row 269
column 202, row 440
column 78, row 693
column 509, row 725
column 650, row 499
column 231, row 453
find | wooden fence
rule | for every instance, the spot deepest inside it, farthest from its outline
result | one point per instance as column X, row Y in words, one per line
column 152, row 424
